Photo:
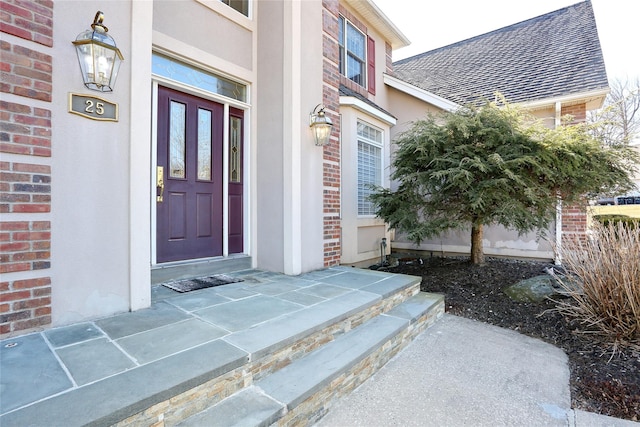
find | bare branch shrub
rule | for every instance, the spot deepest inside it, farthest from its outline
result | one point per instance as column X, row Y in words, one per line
column 603, row 282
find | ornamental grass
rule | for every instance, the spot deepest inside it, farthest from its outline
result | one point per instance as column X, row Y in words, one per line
column 602, row 282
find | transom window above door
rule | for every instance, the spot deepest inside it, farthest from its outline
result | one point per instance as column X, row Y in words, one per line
column 179, row 71
column 353, row 48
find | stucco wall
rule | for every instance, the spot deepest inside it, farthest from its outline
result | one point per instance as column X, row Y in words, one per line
column 200, row 27
column 288, row 164
column 361, row 236
column 90, row 176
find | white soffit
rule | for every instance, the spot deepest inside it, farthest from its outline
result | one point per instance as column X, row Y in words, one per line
column 420, row 94
column 371, row 13
column 594, row 100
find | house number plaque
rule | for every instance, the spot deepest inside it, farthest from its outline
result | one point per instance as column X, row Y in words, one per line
column 93, row 107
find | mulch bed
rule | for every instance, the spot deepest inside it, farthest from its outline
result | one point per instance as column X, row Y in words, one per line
column 602, row 380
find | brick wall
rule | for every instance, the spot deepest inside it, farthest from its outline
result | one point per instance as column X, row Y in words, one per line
column 574, row 223
column 578, row 112
column 331, row 154
column 574, row 217
column 25, row 170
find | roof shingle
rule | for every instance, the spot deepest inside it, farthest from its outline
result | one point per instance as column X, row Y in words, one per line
column 552, row 55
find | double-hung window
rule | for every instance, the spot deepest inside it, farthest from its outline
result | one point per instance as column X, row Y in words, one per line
column 369, row 166
column 353, row 48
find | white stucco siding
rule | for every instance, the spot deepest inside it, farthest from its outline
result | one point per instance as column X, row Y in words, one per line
column 289, row 205
column 90, row 253
column 201, row 27
column 361, row 235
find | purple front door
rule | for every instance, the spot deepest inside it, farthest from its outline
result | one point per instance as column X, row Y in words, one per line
column 189, row 213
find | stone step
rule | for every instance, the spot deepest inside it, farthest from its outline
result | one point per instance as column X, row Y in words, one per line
column 174, row 387
column 301, row 392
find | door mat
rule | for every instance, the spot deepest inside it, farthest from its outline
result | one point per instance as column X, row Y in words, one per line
column 189, row 285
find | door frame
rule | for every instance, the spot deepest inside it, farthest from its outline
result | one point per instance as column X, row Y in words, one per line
column 226, row 102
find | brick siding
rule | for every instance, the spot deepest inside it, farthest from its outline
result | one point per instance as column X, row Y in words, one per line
column 331, row 155
column 28, row 20
column 578, row 113
column 574, row 224
column 25, row 184
column 574, row 217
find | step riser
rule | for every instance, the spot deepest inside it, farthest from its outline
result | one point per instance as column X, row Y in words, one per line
column 184, row 405
column 279, row 360
column 315, row 407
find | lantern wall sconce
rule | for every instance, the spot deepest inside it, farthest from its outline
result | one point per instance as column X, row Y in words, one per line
column 320, row 125
column 98, row 56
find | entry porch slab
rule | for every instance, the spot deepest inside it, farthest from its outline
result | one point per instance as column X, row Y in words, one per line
column 191, row 351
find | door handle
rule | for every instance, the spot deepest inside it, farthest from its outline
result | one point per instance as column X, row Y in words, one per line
column 160, row 183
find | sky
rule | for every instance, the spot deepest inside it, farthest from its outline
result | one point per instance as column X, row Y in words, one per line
column 430, row 24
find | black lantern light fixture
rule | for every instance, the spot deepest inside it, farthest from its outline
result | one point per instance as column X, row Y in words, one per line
column 320, row 125
column 98, row 56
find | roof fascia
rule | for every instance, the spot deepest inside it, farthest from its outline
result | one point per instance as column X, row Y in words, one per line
column 419, row 93
column 352, row 101
column 369, row 11
column 594, row 100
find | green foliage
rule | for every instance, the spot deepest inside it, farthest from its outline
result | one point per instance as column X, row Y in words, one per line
column 491, row 165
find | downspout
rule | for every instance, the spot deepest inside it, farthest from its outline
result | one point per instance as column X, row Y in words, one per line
column 558, row 254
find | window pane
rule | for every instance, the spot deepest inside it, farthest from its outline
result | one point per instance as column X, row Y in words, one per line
column 172, row 69
column 369, row 166
column 369, row 173
column 241, row 6
column 355, row 70
column 177, row 140
column 355, row 42
column 352, row 46
column 235, row 170
column 204, row 144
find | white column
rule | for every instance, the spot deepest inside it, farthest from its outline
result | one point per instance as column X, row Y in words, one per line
column 139, row 151
column 292, row 134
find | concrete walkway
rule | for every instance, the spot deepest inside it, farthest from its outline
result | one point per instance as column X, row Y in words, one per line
column 465, row 373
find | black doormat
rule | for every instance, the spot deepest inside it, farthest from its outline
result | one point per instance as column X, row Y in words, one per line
column 189, row 285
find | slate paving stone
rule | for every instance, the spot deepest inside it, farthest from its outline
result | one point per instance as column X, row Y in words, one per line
column 167, row 340
column 276, row 288
column 391, row 285
column 319, row 274
column 72, row 334
column 352, row 280
column 157, row 315
column 248, row 407
column 160, row 292
column 325, row 291
column 235, row 293
column 30, row 372
column 241, row 314
column 301, row 298
column 197, row 300
column 93, row 360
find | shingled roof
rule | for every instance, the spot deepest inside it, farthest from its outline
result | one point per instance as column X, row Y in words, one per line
column 552, row 55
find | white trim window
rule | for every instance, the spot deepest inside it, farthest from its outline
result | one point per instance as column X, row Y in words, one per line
column 241, row 6
column 370, row 143
column 353, row 51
